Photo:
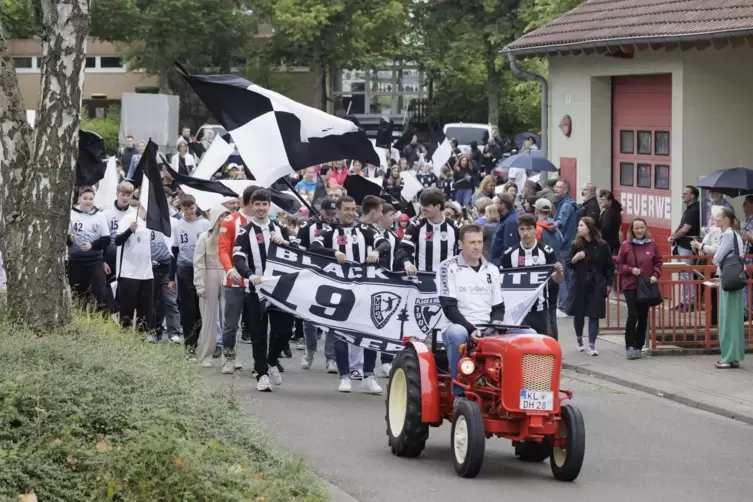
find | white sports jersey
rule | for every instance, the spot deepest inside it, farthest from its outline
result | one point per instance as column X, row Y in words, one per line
column 135, row 256
column 475, row 292
column 538, row 254
column 185, row 236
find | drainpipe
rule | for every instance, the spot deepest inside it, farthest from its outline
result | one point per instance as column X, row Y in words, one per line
column 519, row 72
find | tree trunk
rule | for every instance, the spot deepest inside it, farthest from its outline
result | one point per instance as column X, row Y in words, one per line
column 319, row 69
column 37, row 182
column 492, row 85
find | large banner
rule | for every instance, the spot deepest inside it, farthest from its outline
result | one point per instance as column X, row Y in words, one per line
column 369, row 306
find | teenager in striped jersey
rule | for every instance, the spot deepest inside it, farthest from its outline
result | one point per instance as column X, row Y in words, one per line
column 360, row 242
column 250, row 260
column 385, row 225
column 528, row 253
column 430, row 240
column 308, row 232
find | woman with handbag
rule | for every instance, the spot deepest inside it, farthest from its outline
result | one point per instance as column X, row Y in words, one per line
column 591, row 282
column 639, row 264
column 733, row 281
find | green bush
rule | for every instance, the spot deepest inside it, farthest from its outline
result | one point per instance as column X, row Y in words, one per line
column 94, row 413
column 108, row 127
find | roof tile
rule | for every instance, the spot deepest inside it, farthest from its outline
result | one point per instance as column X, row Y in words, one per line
column 601, row 21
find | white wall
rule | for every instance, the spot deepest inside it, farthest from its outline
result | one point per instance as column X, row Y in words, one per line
column 712, row 112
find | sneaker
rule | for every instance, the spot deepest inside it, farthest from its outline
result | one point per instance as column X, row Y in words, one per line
column 307, row 360
column 638, row 354
column 370, row 385
column 300, row 344
column 286, row 353
column 580, row 345
column 274, row 376
column 177, row 339
column 344, row 385
column 356, row 375
column 331, row 367
column 630, row 353
column 561, row 314
column 237, row 365
column 457, row 401
column 191, row 358
column 280, row 368
column 385, row 369
column 206, row 364
column 152, row 339
column 228, row 366
column 263, row 385
column 591, row 351
column 217, row 352
column 245, row 339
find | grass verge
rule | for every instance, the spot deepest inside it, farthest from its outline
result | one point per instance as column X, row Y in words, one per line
column 94, row 413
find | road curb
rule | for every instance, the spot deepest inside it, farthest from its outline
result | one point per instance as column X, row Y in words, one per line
column 337, row 494
column 585, row 370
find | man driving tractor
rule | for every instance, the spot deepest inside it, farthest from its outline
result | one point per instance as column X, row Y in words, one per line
column 470, row 296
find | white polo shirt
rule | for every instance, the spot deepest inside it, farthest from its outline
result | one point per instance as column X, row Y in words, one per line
column 476, row 292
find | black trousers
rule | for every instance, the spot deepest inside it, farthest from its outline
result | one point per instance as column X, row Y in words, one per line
column 278, row 324
column 88, row 284
column 111, row 260
column 538, row 320
column 637, row 320
column 136, row 295
column 188, row 306
column 554, row 290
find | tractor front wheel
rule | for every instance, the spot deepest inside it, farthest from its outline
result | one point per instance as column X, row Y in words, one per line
column 468, row 439
column 566, row 462
column 531, row 451
column 406, row 432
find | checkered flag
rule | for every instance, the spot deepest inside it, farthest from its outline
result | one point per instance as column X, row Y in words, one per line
column 277, row 136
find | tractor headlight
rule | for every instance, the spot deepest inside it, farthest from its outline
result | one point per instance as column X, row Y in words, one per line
column 467, row 366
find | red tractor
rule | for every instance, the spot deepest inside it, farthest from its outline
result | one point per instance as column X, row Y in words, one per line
column 512, row 390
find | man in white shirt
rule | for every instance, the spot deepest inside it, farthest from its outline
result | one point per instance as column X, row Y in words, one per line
column 470, row 295
column 134, row 271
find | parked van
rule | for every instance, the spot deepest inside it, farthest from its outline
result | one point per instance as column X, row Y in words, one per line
column 467, row 132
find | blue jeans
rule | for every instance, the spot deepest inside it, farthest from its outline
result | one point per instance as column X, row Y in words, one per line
column 464, row 197
column 343, row 360
column 564, row 286
column 455, row 336
column 311, row 334
column 688, row 290
column 219, row 329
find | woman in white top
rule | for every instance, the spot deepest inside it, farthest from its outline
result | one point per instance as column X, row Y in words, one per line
column 184, row 161
column 208, row 276
column 731, row 320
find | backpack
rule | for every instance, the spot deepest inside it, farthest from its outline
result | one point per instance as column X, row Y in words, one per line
column 552, row 238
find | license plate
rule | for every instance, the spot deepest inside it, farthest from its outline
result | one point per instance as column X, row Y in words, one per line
column 536, row 400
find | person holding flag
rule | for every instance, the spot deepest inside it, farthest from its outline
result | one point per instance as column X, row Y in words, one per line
column 529, row 253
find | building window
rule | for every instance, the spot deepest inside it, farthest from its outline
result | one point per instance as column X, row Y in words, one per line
column 626, row 174
column 661, row 177
column 627, row 142
column 110, row 62
column 644, row 176
column 24, row 63
column 644, row 143
column 661, row 143
column 91, row 62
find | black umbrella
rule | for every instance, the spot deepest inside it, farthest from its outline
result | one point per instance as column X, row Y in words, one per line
column 734, row 181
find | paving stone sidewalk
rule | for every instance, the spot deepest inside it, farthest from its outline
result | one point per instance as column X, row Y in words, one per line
column 689, row 379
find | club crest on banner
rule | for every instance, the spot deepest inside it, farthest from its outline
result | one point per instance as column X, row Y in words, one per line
column 428, row 313
column 383, row 307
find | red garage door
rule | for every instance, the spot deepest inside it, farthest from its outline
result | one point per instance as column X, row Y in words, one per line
column 641, row 156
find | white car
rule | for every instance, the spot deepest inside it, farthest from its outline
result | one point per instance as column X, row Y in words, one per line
column 465, row 133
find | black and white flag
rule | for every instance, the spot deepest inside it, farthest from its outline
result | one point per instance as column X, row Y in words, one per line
column 369, row 306
column 152, row 196
column 275, row 135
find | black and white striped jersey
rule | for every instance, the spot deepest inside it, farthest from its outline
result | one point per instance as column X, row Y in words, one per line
column 391, row 237
column 520, row 256
column 355, row 242
column 427, row 244
column 252, row 245
column 309, row 230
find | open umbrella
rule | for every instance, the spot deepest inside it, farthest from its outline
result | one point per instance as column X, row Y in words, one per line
column 735, row 181
column 522, row 137
column 534, row 161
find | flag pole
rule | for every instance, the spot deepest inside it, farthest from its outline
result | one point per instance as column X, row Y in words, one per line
column 312, row 210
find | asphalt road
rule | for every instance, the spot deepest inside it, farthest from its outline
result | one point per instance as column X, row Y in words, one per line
column 639, row 447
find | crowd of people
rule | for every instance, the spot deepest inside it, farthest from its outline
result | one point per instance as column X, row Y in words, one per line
column 198, row 287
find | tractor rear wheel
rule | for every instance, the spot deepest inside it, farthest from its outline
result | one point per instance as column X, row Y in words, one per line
column 531, row 451
column 406, row 432
column 468, row 439
column 567, row 462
